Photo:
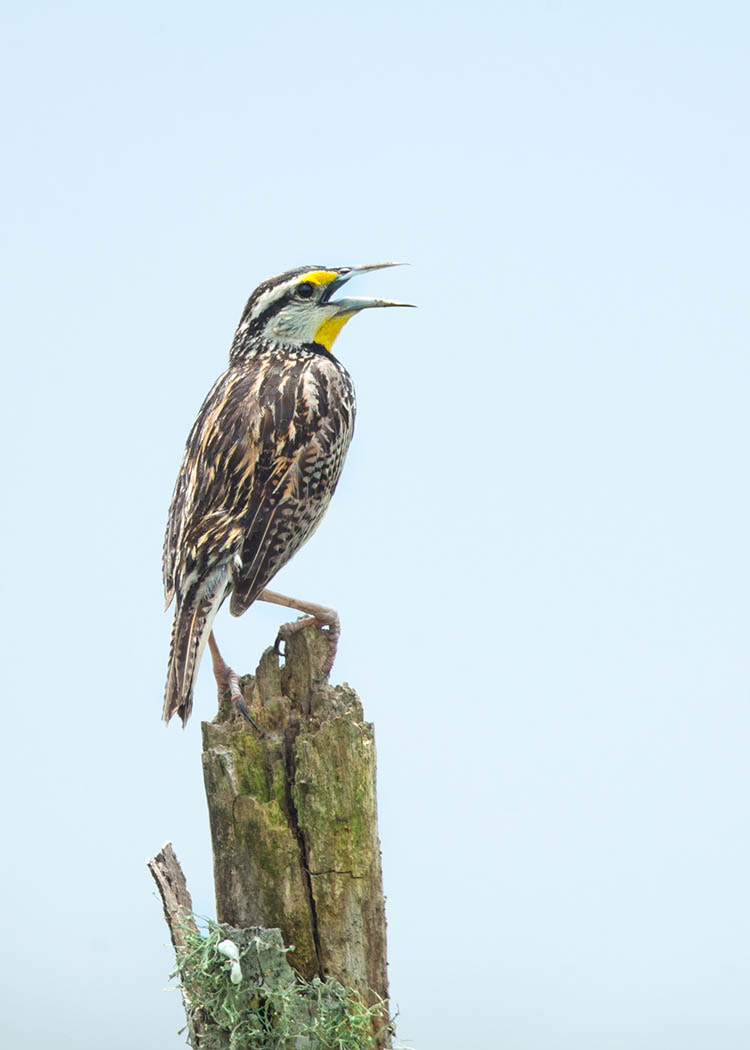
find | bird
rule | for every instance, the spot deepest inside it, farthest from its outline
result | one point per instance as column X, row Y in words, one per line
column 260, row 466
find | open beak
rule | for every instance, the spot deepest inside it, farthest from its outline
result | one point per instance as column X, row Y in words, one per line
column 351, row 306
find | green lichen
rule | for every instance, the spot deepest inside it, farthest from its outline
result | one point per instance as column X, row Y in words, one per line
column 272, row 1008
column 338, row 816
column 248, row 752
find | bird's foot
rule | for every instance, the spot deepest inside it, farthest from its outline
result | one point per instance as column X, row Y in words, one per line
column 317, row 616
column 333, row 632
column 227, row 681
column 235, row 695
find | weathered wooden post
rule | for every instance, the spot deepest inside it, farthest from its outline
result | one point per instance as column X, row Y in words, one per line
column 293, row 817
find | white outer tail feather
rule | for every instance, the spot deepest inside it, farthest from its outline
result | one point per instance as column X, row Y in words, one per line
column 193, row 622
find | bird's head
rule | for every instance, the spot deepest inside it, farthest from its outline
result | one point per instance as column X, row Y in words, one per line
column 302, row 307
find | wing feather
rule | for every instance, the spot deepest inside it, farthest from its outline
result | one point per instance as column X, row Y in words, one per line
column 260, row 466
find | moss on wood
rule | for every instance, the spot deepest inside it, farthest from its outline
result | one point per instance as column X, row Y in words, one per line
column 294, row 818
column 257, row 1001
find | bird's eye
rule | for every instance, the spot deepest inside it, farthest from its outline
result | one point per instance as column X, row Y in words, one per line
column 305, row 290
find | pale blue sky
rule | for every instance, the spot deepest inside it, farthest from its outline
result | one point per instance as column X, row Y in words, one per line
column 539, row 548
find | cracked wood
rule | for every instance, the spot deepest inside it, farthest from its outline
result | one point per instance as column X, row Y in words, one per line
column 294, row 818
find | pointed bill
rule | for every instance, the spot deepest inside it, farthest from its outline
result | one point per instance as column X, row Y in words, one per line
column 352, row 305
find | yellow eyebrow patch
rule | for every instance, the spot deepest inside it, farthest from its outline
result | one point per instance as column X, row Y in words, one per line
column 319, row 276
column 326, row 334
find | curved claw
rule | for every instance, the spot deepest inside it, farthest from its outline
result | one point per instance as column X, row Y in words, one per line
column 331, row 627
column 227, row 681
column 288, row 629
column 239, row 703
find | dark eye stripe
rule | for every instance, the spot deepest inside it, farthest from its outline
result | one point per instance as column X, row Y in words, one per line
column 255, row 320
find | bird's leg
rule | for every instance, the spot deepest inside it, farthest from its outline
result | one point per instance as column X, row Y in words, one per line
column 227, row 679
column 316, row 614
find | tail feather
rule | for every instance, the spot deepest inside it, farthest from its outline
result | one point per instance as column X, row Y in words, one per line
column 192, row 625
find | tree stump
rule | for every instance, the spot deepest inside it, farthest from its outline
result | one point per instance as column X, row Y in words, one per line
column 293, row 816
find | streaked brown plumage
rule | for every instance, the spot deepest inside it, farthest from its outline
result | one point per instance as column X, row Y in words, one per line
column 261, row 463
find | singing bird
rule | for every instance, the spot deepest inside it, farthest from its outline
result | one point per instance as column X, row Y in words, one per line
column 260, row 466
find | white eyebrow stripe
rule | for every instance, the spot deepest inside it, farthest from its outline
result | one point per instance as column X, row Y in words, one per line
column 270, row 297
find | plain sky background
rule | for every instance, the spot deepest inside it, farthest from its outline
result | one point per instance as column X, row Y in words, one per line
column 539, row 547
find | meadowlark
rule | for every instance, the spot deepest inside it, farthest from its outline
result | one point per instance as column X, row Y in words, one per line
column 260, row 466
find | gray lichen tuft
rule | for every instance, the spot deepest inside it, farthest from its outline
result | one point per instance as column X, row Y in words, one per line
column 271, row 1007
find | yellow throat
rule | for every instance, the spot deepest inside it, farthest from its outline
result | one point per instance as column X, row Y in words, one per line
column 329, row 330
